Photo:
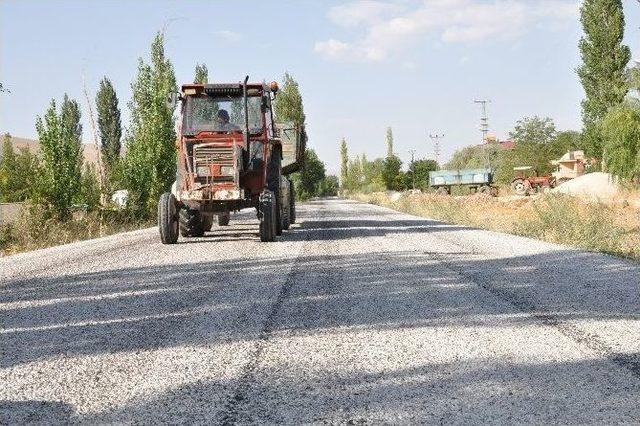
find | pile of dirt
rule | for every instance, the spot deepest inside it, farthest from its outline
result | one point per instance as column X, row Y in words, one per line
column 601, row 186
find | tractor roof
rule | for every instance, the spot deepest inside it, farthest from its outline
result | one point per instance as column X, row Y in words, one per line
column 233, row 89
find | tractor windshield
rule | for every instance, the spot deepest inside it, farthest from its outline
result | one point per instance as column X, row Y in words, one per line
column 220, row 114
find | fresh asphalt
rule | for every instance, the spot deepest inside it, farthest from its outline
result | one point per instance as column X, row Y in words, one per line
column 357, row 315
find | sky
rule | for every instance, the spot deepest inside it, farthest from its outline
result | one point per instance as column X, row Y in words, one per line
column 416, row 66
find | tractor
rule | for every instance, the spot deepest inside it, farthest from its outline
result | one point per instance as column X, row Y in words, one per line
column 527, row 181
column 231, row 155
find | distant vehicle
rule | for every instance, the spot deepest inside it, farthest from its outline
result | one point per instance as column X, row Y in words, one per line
column 527, row 181
column 477, row 180
column 120, row 198
column 231, row 155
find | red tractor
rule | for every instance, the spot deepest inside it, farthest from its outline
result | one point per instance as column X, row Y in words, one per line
column 231, row 155
column 528, row 181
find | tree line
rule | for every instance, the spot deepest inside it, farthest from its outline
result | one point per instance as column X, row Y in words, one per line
column 358, row 174
column 141, row 159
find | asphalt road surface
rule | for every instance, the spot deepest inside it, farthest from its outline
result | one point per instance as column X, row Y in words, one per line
column 358, row 315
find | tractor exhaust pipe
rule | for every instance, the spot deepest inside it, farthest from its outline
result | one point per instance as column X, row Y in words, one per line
column 246, row 112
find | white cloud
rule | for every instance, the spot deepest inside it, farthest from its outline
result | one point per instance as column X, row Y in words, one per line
column 390, row 26
column 228, row 35
column 361, row 12
column 333, row 49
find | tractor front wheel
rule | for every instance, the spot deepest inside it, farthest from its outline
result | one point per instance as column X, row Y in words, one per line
column 207, row 223
column 224, row 218
column 168, row 218
column 268, row 217
column 191, row 223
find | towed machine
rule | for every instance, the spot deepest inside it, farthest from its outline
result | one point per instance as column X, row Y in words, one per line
column 231, row 155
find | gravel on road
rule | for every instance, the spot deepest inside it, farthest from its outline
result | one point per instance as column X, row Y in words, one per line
column 357, row 315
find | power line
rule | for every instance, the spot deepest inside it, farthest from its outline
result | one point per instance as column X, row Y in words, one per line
column 484, row 118
column 436, row 146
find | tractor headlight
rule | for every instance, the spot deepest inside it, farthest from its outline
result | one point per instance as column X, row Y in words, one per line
column 226, row 170
column 203, row 171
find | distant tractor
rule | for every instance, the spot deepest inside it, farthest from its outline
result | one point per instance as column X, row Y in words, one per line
column 477, row 180
column 231, row 155
column 527, row 181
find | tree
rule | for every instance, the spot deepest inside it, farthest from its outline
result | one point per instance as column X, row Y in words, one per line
column 202, row 74
column 420, row 170
column 621, row 133
column 389, row 142
column 59, row 179
column 89, row 187
column 109, row 128
column 17, row 172
column 604, row 61
column 344, row 161
column 329, row 186
column 534, row 130
column 391, row 171
column 312, row 173
column 288, row 104
column 150, row 161
column 7, row 170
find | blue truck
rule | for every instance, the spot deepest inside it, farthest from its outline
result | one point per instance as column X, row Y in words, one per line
column 477, row 180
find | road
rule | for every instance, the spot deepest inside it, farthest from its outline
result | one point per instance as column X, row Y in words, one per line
column 358, row 315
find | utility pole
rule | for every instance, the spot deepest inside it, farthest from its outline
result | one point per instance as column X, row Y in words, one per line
column 436, row 146
column 484, row 119
column 413, row 170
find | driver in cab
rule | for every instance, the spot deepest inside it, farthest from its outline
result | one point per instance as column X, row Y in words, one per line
column 223, row 124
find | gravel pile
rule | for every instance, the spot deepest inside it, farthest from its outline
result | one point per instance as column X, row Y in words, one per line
column 593, row 185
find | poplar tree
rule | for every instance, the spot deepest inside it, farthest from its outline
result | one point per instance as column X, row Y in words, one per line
column 344, row 162
column 288, row 106
column 389, row 142
column 150, row 161
column 604, row 61
column 61, row 150
column 7, row 170
column 202, row 74
column 109, row 128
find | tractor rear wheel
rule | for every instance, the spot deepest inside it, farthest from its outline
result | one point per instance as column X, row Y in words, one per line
column 274, row 173
column 292, row 204
column 207, row 223
column 224, row 218
column 191, row 223
column 267, row 213
column 167, row 218
column 519, row 187
column 286, row 222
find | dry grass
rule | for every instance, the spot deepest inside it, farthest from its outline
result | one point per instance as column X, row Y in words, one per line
column 32, row 231
column 607, row 228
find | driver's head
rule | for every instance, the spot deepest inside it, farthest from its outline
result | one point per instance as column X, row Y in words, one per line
column 223, row 115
